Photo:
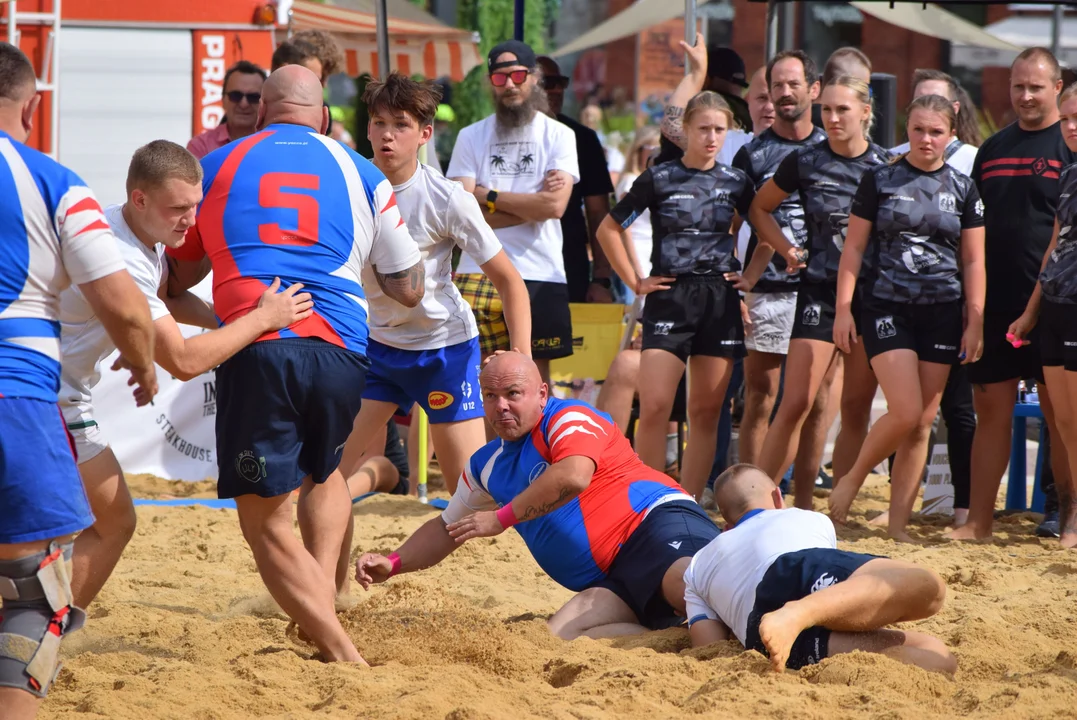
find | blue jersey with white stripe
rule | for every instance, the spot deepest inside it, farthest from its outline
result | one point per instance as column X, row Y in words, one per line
column 52, row 233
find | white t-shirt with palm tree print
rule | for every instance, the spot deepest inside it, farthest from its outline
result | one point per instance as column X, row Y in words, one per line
column 516, row 160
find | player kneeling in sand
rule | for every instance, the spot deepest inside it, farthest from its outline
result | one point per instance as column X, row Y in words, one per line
column 594, row 517
column 777, row 578
column 164, row 186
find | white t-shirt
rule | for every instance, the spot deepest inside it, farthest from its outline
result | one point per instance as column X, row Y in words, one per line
column 640, row 230
column 721, row 582
column 84, row 343
column 961, row 160
column 517, row 160
column 439, row 214
column 734, row 141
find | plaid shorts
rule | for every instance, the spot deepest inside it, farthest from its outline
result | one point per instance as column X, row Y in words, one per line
column 481, row 295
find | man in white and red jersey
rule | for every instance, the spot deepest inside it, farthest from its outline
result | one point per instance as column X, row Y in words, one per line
column 288, row 202
column 52, row 234
column 596, row 519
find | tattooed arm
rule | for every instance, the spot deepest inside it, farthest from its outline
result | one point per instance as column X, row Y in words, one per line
column 407, row 287
column 689, row 87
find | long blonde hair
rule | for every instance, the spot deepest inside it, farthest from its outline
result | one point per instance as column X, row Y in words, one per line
column 863, row 94
column 648, row 135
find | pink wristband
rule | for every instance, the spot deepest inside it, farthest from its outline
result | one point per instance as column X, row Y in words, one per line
column 506, row 516
column 395, row 560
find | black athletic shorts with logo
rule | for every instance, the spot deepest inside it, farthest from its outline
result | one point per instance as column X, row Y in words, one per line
column 285, row 408
column 1001, row 361
column 551, row 320
column 1058, row 334
column 934, row 331
column 817, row 310
column 698, row 315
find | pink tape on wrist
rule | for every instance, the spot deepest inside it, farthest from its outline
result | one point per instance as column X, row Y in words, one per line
column 395, row 560
column 506, row 516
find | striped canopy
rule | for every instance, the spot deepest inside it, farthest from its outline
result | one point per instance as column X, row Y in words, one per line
column 428, row 48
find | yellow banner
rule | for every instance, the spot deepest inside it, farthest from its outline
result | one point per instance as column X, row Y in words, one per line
column 596, row 339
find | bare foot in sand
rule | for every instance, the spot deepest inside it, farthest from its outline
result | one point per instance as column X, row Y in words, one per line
column 779, row 630
column 841, row 499
column 901, row 536
column 968, row 531
column 882, row 520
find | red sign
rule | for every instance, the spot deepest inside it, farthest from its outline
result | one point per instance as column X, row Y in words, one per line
column 214, row 52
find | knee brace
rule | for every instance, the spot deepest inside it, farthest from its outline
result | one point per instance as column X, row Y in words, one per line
column 37, row 612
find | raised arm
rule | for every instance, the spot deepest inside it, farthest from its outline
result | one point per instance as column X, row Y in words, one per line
column 690, row 86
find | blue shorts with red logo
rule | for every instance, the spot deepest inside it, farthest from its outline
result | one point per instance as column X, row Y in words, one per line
column 41, row 493
column 445, row 382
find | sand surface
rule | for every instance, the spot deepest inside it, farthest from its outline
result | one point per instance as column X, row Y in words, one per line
column 185, row 629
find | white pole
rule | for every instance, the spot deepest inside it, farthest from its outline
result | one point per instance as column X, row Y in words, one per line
column 1058, row 17
column 12, row 25
column 689, row 28
column 770, row 42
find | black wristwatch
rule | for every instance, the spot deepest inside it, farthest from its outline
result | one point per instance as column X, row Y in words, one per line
column 491, row 200
column 604, row 282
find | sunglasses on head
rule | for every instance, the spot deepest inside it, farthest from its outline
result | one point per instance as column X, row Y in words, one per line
column 499, row 79
column 555, row 83
column 237, row 97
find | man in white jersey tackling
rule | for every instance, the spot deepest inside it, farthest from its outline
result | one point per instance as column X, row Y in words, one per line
column 164, row 186
column 777, row 579
column 428, row 354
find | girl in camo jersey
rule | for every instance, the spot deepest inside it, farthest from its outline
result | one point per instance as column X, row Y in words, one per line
column 925, row 223
column 1054, row 305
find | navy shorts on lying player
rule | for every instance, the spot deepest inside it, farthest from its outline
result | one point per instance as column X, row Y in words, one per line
column 933, row 331
column 285, row 408
column 671, row 531
column 698, row 315
column 794, row 576
column 445, row 382
column 41, row 493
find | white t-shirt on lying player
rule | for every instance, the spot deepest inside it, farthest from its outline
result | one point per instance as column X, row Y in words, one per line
column 439, row 214
column 516, row 160
column 721, row 582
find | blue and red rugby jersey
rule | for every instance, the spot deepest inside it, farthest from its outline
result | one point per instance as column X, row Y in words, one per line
column 576, row 543
column 291, row 203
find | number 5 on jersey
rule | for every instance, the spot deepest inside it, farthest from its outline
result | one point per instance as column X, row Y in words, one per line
column 278, row 190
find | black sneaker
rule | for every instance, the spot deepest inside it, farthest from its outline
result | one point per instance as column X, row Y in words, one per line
column 1049, row 528
column 824, row 481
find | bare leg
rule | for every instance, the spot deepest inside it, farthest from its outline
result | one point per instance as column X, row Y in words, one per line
column 378, row 474
column 905, row 646
column 663, row 371
column 857, row 394
column 898, row 373
column 708, row 378
column 324, row 511
column 912, row 453
column 456, row 443
column 804, row 375
column 98, row 548
column 619, row 388
column 990, row 456
column 812, row 443
column 1062, row 407
column 367, row 438
column 762, row 375
column 595, row 613
column 291, row 574
column 879, row 593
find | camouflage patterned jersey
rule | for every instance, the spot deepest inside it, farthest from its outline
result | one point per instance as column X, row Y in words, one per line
column 917, row 218
column 1059, row 278
column 691, row 212
column 826, row 183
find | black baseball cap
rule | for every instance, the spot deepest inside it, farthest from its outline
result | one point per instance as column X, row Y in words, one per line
column 724, row 63
column 524, row 56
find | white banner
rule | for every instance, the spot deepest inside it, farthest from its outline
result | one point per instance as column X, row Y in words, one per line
column 174, row 437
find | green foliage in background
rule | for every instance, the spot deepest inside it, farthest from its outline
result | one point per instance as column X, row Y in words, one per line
column 494, row 21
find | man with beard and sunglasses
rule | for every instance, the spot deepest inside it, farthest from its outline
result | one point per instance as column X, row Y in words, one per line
column 520, row 164
column 589, row 202
column 242, row 92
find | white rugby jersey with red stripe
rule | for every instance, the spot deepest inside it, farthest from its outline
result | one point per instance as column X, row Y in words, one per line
column 53, row 234
column 577, row 543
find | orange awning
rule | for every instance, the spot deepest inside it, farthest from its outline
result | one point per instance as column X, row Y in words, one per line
column 431, row 49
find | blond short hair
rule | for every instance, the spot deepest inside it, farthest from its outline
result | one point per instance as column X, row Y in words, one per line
column 157, row 162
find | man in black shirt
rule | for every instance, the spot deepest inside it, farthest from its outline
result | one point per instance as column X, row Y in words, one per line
column 771, row 298
column 589, row 203
column 1016, row 171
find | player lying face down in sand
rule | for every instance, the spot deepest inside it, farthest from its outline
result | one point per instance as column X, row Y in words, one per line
column 594, row 517
column 776, row 577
